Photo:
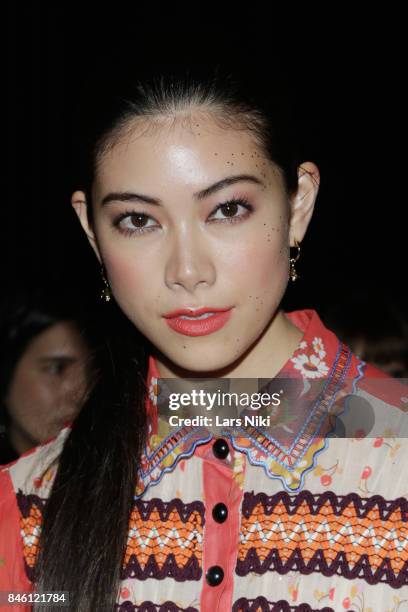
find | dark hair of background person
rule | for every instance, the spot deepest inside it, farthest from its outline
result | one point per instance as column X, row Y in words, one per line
column 375, row 327
column 24, row 315
column 86, row 518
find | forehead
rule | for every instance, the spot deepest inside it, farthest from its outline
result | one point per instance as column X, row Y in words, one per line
column 59, row 336
column 183, row 153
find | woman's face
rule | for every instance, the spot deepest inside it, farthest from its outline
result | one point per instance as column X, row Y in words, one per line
column 47, row 386
column 169, row 241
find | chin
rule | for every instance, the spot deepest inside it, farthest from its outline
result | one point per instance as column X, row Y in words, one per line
column 201, row 361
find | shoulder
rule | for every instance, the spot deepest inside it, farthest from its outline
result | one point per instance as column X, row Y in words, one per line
column 26, row 478
column 382, row 386
column 387, row 395
column 371, row 404
column 24, row 483
column 30, row 473
column 364, row 378
column 12, row 576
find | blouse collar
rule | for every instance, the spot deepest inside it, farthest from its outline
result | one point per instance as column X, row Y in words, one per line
column 319, row 355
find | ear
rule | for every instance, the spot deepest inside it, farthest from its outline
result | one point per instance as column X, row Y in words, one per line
column 79, row 203
column 303, row 202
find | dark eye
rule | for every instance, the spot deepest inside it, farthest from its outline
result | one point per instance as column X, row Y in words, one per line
column 134, row 221
column 230, row 208
column 56, row 368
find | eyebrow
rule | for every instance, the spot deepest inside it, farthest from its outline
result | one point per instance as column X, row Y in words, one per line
column 58, row 357
column 126, row 196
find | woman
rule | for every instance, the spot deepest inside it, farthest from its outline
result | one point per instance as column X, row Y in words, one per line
column 44, row 365
column 193, row 202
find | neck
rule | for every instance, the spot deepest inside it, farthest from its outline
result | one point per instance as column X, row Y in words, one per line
column 264, row 359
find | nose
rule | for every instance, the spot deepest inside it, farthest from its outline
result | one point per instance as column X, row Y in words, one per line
column 189, row 263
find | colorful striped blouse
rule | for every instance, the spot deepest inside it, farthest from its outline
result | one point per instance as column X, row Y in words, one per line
column 246, row 521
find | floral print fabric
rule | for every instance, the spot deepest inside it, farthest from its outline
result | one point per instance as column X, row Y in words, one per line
column 317, row 523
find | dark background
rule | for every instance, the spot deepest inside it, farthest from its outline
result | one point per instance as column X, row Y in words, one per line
column 346, row 75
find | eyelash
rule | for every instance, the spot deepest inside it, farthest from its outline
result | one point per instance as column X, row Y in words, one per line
column 142, row 230
column 56, row 368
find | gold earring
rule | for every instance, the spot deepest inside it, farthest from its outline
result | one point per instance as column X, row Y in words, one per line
column 293, row 274
column 106, row 293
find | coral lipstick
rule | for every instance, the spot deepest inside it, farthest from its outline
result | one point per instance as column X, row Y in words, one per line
column 198, row 322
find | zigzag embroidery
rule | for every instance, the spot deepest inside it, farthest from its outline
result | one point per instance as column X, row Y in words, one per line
column 31, row 508
column 261, row 604
column 164, row 538
column 149, row 606
column 346, row 535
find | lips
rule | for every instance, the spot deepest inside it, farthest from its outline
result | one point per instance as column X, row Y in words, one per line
column 216, row 319
column 194, row 312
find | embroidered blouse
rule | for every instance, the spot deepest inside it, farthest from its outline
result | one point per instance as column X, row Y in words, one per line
column 246, row 522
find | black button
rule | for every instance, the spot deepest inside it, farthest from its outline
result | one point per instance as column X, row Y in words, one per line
column 220, row 448
column 220, row 512
column 214, row 575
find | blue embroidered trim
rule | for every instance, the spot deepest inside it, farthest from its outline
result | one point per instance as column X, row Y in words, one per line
column 171, row 468
column 360, row 369
column 310, row 417
column 273, row 476
column 163, row 443
column 312, row 413
column 170, row 440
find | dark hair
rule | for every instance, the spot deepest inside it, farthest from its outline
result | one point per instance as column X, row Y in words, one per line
column 373, row 325
column 86, row 518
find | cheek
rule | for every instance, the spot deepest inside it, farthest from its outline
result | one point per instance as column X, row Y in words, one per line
column 125, row 262
column 134, row 284
column 126, row 274
column 29, row 399
column 262, row 264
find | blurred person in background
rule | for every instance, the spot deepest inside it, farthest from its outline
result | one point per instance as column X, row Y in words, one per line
column 44, row 369
column 375, row 328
